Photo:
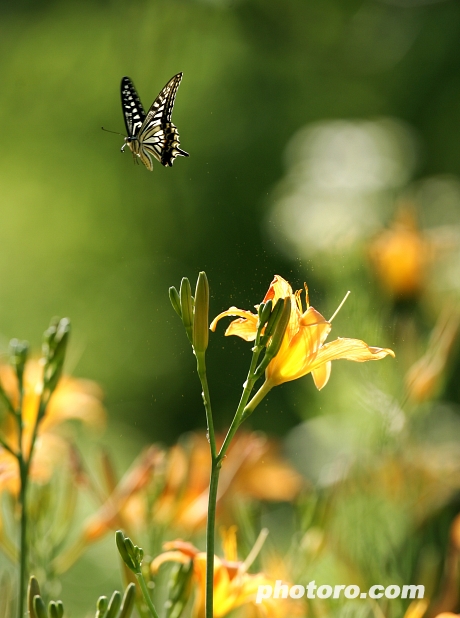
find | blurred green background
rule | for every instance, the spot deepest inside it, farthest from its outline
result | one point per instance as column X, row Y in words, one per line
column 87, row 234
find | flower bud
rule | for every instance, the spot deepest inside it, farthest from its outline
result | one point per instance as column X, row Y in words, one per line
column 279, row 329
column 55, row 341
column 274, row 317
column 123, row 551
column 55, row 609
column 33, row 590
column 39, row 607
column 278, row 326
column 18, row 356
column 201, row 319
column 131, row 554
column 186, row 304
column 101, row 606
column 114, row 605
column 264, row 312
column 175, row 300
column 128, row 601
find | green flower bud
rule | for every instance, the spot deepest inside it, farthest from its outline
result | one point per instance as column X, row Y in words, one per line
column 175, row 300
column 186, row 304
column 33, row 590
column 121, row 545
column 265, row 310
column 278, row 326
column 39, row 607
column 128, row 601
column 55, row 341
column 139, row 554
column 101, row 606
column 131, row 554
column 53, row 610
column 274, row 317
column 279, row 329
column 114, row 605
column 19, row 351
column 60, row 609
column 201, row 319
column 130, row 548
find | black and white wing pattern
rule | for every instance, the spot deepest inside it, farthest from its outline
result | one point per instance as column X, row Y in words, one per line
column 153, row 134
column 133, row 111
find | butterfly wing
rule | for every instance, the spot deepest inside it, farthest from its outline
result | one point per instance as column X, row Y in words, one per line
column 158, row 136
column 133, row 111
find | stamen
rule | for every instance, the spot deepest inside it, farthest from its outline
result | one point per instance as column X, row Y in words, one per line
column 254, row 551
column 307, row 300
column 340, row 306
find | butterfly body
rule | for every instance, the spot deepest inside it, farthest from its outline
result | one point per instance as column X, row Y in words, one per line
column 151, row 134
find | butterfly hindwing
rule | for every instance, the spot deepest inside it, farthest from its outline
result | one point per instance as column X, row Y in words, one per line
column 155, row 135
column 133, row 111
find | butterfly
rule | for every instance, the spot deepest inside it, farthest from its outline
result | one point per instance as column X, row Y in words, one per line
column 152, row 133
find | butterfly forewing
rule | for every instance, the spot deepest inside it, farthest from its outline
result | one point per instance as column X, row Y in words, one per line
column 133, row 111
column 156, row 135
column 161, row 109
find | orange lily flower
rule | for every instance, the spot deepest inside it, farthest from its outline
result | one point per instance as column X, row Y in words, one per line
column 72, row 399
column 303, row 349
column 402, row 254
column 253, row 469
column 233, row 586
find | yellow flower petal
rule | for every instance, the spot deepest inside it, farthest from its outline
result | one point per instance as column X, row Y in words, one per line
column 351, row 349
column 245, row 327
column 321, row 375
column 303, row 349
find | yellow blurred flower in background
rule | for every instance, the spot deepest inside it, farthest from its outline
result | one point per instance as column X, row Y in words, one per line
column 73, row 399
column 253, row 468
column 171, row 487
column 402, row 254
column 233, row 586
column 303, row 349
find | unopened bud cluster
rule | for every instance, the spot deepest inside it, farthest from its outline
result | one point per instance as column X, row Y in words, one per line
column 193, row 310
column 55, row 341
column 131, row 554
column 271, row 327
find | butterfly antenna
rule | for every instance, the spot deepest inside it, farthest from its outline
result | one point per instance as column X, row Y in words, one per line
column 116, row 132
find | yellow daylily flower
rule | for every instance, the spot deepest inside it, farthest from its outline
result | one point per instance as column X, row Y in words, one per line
column 401, row 255
column 303, row 349
column 233, row 586
column 73, row 399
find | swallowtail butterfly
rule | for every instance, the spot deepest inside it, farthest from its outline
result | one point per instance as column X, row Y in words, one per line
column 152, row 133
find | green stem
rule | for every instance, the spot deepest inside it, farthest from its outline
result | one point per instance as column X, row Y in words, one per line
column 23, row 475
column 213, row 486
column 252, row 405
column 145, row 592
column 23, row 468
column 201, row 368
column 248, row 387
column 216, row 463
column 8, row 448
column 210, row 536
column 41, row 413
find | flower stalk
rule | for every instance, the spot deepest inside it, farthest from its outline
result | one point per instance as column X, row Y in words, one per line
column 271, row 325
column 54, row 349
